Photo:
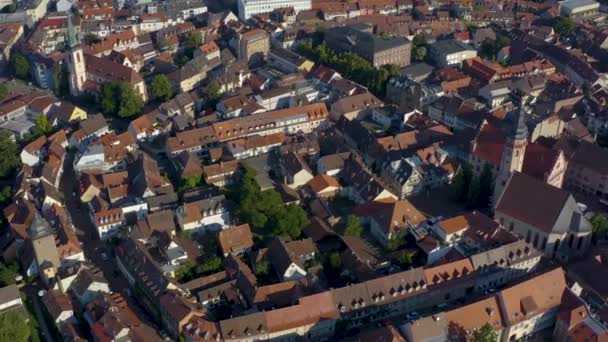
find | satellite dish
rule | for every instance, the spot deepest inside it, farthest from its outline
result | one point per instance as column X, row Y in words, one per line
column 41, row 293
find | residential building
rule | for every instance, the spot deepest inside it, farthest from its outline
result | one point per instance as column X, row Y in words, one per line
column 360, row 40
column 210, row 214
column 250, row 8
column 9, row 35
column 586, row 172
column 295, row 170
column 254, row 46
column 235, row 240
column 288, row 61
column 579, row 8
column 450, row 52
column 389, row 220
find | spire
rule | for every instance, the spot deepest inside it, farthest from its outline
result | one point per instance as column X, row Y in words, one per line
column 39, row 227
column 520, row 131
column 72, row 35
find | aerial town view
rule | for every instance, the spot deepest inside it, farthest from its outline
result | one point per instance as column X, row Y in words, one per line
column 304, row 170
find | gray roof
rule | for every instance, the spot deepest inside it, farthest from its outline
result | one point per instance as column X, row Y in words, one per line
column 450, row 46
column 9, row 293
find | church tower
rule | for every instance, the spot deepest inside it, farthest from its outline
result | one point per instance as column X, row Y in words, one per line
column 75, row 61
column 516, row 140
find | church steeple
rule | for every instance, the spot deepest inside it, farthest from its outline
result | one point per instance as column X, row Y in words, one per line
column 72, row 36
column 516, row 140
column 74, row 59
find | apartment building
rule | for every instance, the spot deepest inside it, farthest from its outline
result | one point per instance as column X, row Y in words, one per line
column 360, row 40
column 450, row 52
column 249, row 8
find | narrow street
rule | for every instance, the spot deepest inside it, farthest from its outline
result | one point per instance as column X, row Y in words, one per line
column 93, row 247
column 32, row 294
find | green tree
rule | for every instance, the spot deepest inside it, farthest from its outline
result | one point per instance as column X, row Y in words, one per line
column 473, row 194
column 289, row 221
column 190, row 182
column 396, row 241
column 486, row 187
column 599, row 223
column 8, row 273
column 42, row 126
column 9, row 155
column 194, row 40
column 335, row 260
column 5, row 194
column 563, row 25
column 353, row 226
column 406, row 259
column 485, row 334
column 109, row 98
column 10, row 8
column 162, row 89
column 120, row 99
column 91, row 38
column 13, row 327
column 421, row 39
column 131, row 103
column 60, row 80
column 210, row 265
column 461, row 182
column 351, row 65
column 419, row 53
column 185, row 272
column 262, row 267
column 19, row 66
column 264, row 210
column 213, row 91
column 3, row 91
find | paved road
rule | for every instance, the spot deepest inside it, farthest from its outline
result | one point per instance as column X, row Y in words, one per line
column 93, row 247
column 32, row 293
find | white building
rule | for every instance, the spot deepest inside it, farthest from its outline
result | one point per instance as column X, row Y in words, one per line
column 578, row 8
column 249, row 8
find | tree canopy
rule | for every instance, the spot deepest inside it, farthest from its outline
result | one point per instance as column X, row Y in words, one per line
column 563, row 25
column 353, row 226
column 19, row 66
column 9, row 155
column 3, row 91
column 599, row 223
column 8, row 273
column 476, row 192
column 13, row 327
column 419, row 47
column 120, row 99
column 485, row 334
column 185, row 272
column 262, row 267
column 489, row 48
column 351, row 66
column 91, row 38
column 335, row 260
column 162, row 89
column 265, row 210
column 42, row 126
